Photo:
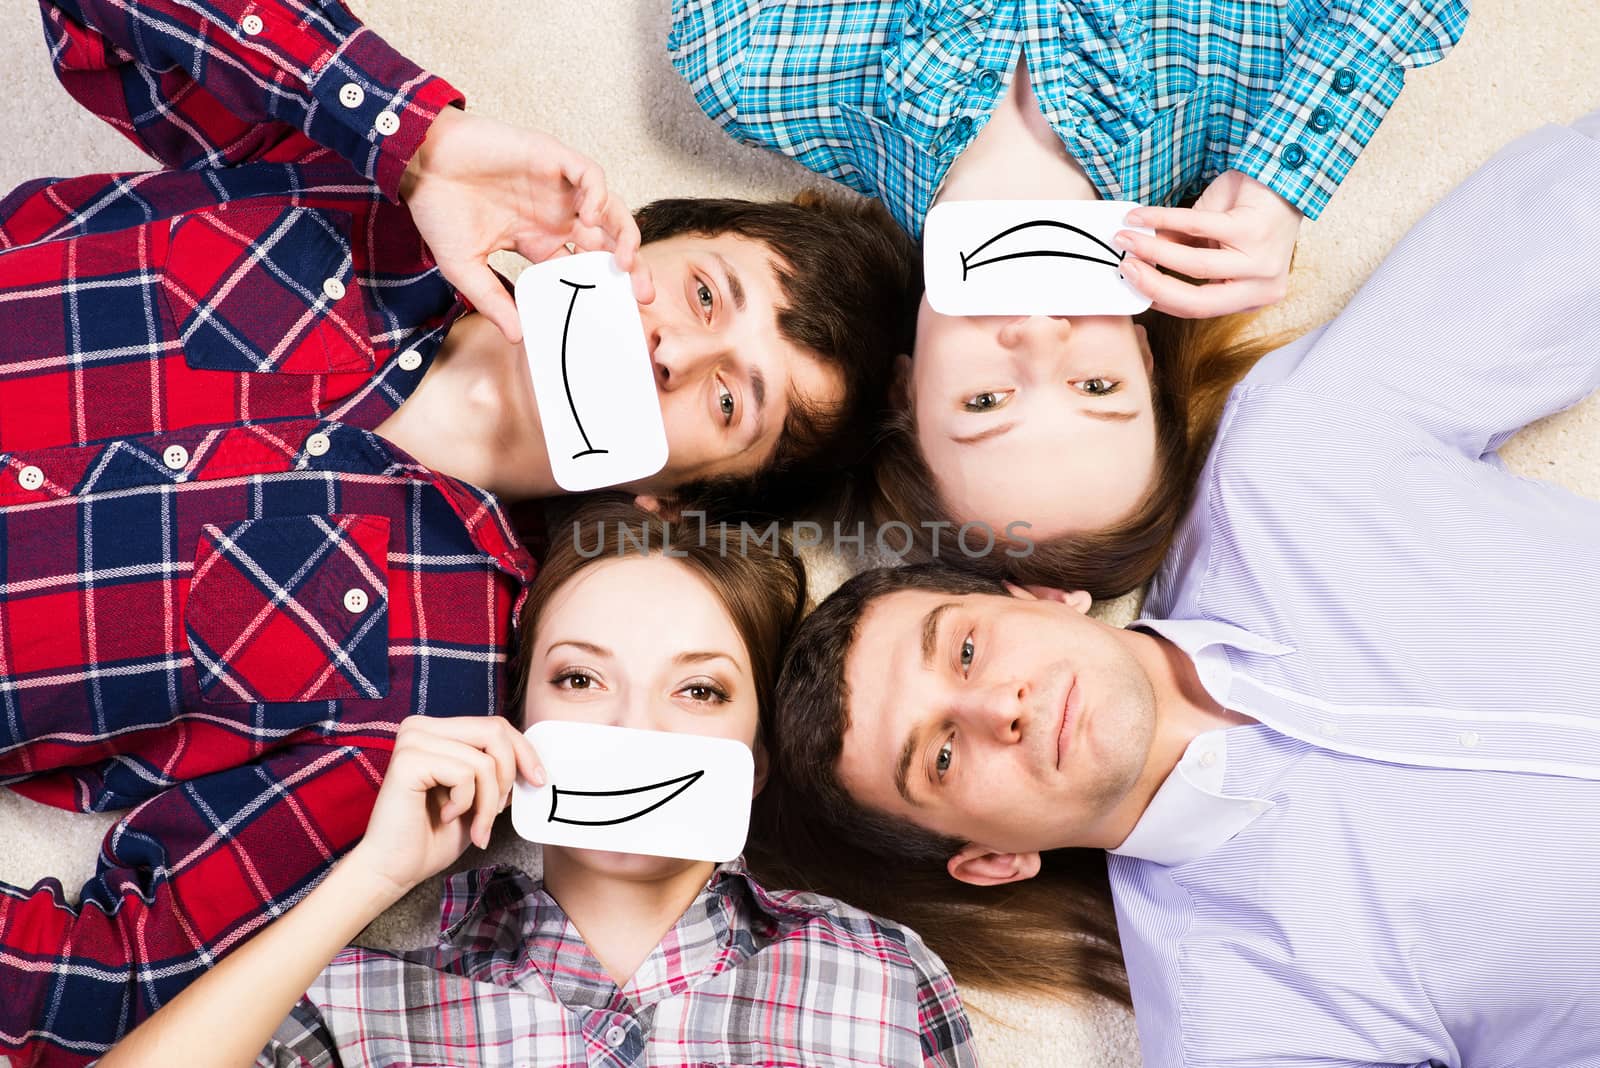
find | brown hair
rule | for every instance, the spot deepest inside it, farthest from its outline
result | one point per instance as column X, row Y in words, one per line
column 1055, row 934
column 763, row 593
column 851, row 279
column 1197, row 361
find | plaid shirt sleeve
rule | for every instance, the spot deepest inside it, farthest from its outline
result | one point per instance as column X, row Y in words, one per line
column 1338, row 83
column 946, row 1033
column 301, row 1041
column 208, row 83
column 188, row 876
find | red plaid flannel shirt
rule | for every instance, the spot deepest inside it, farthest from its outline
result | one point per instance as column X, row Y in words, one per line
column 219, row 593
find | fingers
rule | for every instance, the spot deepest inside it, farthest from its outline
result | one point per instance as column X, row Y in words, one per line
column 1188, row 301
column 1212, row 225
column 482, row 287
column 1194, row 261
column 493, row 734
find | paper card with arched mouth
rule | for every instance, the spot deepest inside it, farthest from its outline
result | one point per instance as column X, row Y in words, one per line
column 662, row 793
column 1028, row 257
column 592, row 376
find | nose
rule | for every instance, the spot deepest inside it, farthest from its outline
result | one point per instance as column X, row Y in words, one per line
column 636, row 710
column 679, row 360
column 997, row 711
column 1034, row 335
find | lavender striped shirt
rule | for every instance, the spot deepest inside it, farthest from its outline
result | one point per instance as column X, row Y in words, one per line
column 1400, row 864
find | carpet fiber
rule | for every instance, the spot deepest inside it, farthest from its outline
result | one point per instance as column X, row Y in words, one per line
column 595, row 75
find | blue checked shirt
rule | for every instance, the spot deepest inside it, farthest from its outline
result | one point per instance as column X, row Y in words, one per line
column 1397, row 864
column 1154, row 98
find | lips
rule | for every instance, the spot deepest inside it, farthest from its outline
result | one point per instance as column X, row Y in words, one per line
column 1069, row 718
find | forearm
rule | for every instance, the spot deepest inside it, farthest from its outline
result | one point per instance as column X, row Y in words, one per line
column 227, row 1015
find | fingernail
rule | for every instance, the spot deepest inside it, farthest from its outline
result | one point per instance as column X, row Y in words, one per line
column 1133, row 218
column 538, row 778
column 1130, row 266
column 1120, row 240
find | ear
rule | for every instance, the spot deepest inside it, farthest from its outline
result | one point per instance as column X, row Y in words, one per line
column 979, row 865
column 1078, row 599
column 1143, row 337
column 900, row 385
column 665, row 507
column 763, row 765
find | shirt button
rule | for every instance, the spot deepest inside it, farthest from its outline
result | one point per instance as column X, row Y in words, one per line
column 386, row 123
column 333, row 289
column 964, row 124
column 317, row 444
column 351, row 95
column 1293, row 156
column 1329, row 730
column 1344, row 81
column 1258, row 807
column 988, row 79
column 1207, row 759
column 410, row 360
column 252, row 24
column 355, row 601
column 1322, row 120
column 1469, row 738
column 30, row 477
column 176, row 457
column 615, row 1035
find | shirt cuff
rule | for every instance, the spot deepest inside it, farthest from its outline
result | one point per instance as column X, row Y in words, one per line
column 1336, row 91
column 383, row 104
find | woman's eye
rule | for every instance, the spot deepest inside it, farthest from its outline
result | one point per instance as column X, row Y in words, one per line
column 1098, row 387
column 941, row 763
column 574, row 680
column 725, row 404
column 968, row 649
column 986, row 401
column 703, row 295
column 705, row 693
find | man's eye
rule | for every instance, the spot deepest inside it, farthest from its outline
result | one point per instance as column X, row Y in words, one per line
column 986, row 401
column 941, row 763
column 968, row 649
column 704, row 296
column 1099, row 387
column 725, row 404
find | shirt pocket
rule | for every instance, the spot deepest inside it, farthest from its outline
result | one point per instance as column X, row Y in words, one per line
column 267, row 289
column 292, row 608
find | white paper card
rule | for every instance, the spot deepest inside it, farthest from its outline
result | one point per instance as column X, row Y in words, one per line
column 1028, row 257
column 592, row 376
column 629, row 791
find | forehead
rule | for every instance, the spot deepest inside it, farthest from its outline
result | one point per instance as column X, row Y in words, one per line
column 634, row 602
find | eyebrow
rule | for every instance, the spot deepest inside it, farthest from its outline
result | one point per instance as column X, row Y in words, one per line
column 1113, row 416
column 992, row 432
column 702, row 657
column 930, row 631
column 902, row 768
column 588, row 647
column 735, row 287
column 930, row 643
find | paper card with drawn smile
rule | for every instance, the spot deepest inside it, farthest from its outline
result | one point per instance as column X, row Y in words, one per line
column 593, row 379
column 632, row 791
column 1028, row 257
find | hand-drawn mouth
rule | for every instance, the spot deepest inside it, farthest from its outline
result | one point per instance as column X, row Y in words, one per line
column 970, row 262
column 606, row 808
column 588, row 449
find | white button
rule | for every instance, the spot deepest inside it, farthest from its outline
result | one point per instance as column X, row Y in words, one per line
column 317, row 444
column 1258, row 807
column 386, row 123
column 616, row 1035
column 355, row 600
column 352, row 95
column 1207, row 759
column 1469, row 738
column 410, row 360
column 1330, row 730
column 333, row 289
column 176, row 457
column 31, row 478
column 252, row 24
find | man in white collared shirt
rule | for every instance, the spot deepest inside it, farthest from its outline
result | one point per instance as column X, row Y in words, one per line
column 1348, row 768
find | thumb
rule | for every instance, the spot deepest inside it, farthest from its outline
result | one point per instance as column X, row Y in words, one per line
column 482, row 287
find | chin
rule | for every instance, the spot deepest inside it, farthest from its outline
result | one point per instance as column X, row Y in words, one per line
column 631, row 866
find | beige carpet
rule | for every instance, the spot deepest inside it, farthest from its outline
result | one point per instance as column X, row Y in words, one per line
column 595, row 75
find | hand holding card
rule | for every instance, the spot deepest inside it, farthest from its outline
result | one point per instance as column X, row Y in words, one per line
column 593, row 379
column 1028, row 257
column 630, row 791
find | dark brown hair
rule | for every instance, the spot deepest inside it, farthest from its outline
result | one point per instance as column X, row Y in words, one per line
column 1197, row 361
column 851, row 280
column 1055, row 934
column 763, row 592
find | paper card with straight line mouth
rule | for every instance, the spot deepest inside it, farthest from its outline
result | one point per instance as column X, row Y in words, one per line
column 631, row 791
column 1028, row 257
column 593, row 380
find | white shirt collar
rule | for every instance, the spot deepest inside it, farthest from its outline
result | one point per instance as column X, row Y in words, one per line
column 1190, row 815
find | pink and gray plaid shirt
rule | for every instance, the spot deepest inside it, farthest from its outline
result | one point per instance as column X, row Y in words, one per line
column 747, row 976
